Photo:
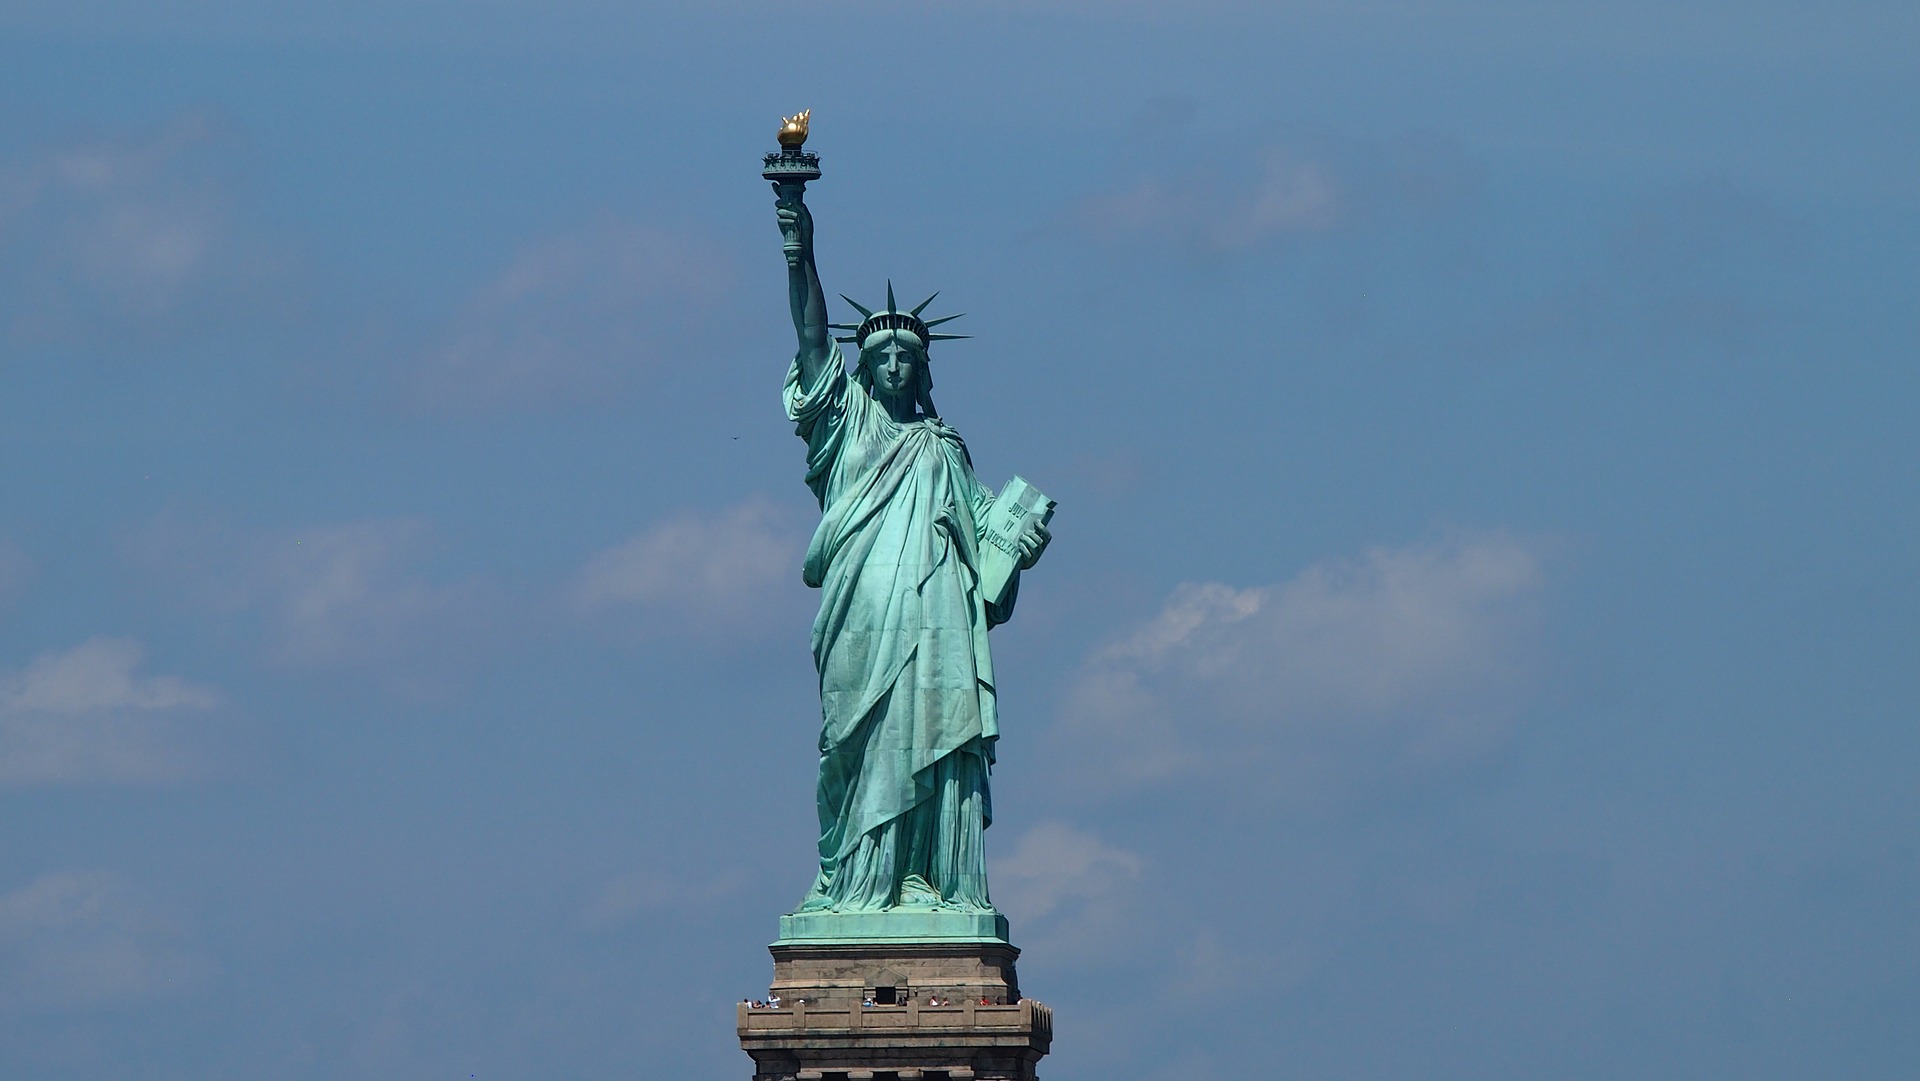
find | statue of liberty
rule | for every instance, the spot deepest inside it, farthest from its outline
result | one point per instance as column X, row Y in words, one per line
column 902, row 558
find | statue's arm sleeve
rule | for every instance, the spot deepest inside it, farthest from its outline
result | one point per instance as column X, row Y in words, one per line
column 819, row 408
column 980, row 498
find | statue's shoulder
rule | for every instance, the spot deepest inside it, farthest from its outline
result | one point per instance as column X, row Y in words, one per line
column 949, row 434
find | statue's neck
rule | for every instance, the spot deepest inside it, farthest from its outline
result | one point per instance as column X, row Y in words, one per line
column 901, row 407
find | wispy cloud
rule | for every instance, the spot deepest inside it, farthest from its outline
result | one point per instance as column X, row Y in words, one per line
column 1070, row 888
column 1279, row 194
column 714, row 570
column 1214, row 194
column 130, row 234
column 337, row 592
column 572, row 317
column 1056, row 865
column 86, row 715
column 631, row 895
column 77, row 938
column 332, row 594
column 1399, row 660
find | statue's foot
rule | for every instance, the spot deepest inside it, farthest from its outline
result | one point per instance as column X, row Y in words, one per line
column 917, row 892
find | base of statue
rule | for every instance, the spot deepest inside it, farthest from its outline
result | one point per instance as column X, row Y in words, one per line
column 915, row 1011
column 893, row 925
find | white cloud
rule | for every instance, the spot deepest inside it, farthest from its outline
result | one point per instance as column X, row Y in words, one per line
column 1215, row 194
column 1401, row 660
column 717, row 570
column 630, row 895
column 1223, row 211
column 1071, row 891
column 85, row 715
column 1055, row 865
column 78, row 938
column 572, row 317
column 128, row 234
column 345, row 591
column 342, row 593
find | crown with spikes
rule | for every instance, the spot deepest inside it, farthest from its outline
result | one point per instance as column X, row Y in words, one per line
column 892, row 318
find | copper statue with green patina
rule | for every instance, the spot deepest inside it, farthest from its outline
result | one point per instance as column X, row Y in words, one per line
column 903, row 558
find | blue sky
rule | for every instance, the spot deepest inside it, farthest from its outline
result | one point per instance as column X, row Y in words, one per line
column 1479, row 640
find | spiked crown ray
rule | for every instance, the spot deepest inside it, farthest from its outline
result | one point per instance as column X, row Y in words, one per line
column 892, row 318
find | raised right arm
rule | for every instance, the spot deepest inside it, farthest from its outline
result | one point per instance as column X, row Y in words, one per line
column 809, row 304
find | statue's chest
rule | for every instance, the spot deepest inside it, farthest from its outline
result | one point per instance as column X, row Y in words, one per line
column 891, row 461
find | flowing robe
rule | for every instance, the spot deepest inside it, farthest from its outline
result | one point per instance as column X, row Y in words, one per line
column 906, row 683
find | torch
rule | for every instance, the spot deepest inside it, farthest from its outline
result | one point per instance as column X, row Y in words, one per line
column 790, row 168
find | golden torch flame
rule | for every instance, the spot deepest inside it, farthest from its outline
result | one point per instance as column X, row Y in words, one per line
column 793, row 129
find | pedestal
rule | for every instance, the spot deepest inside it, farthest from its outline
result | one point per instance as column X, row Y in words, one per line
column 824, row 1031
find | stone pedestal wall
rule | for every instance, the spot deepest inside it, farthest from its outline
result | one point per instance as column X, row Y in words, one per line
column 823, row 1032
column 839, row 976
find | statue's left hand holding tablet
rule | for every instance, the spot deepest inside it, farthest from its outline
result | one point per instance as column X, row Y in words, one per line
column 1033, row 544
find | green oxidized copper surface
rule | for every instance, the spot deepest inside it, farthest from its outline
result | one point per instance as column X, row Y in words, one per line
column 892, row 925
column 909, row 714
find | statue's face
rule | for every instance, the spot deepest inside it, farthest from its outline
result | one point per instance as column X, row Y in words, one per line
column 894, row 363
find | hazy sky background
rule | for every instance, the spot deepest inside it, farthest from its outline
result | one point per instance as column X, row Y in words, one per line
column 1479, row 640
